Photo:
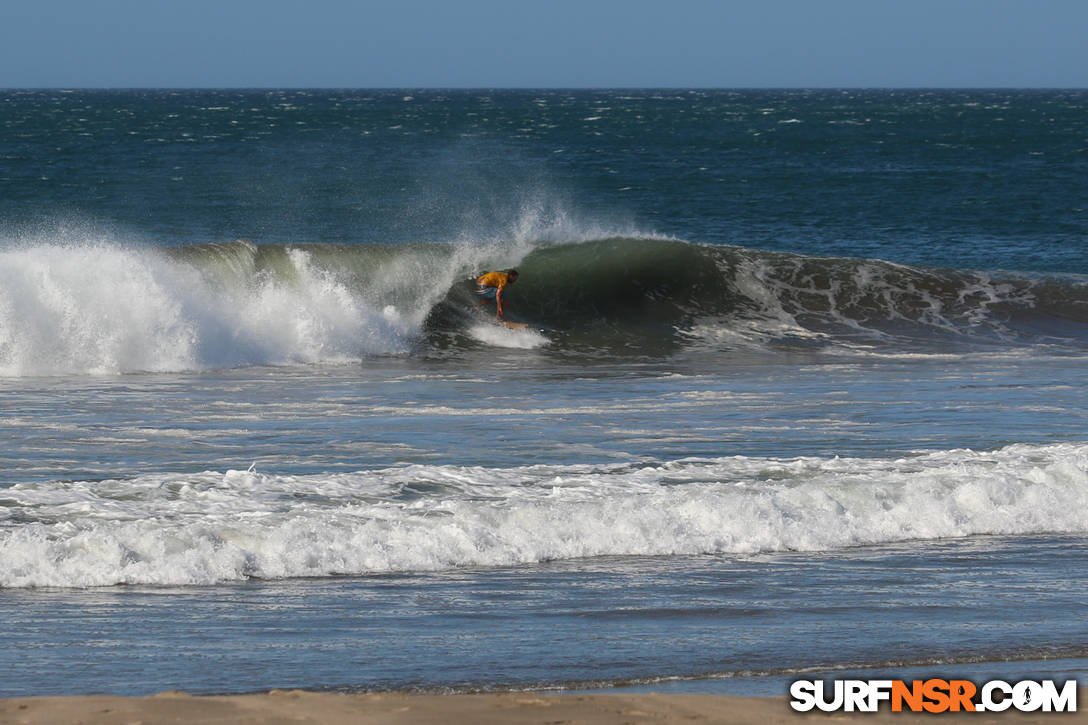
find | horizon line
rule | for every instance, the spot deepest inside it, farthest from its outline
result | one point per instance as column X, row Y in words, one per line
column 542, row 88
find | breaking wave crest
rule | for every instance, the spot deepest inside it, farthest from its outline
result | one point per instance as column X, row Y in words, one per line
column 100, row 308
column 211, row 527
column 739, row 297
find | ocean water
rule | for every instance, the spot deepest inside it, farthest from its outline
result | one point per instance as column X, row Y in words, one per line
column 803, row 389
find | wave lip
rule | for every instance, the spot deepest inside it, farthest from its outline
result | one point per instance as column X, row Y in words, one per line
column 734, row 297
column 654, row 297
column 175, row 529
column 105, row 309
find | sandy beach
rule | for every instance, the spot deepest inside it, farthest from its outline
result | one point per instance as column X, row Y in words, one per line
column 509, row 708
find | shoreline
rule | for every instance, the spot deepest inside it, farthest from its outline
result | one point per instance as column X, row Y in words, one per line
column 299, row 706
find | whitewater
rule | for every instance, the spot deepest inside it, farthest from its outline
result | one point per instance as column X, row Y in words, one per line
column 802, row 389
column 105, row 309
column 215, row 527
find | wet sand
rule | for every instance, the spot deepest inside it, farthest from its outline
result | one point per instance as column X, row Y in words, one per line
column 486, row 709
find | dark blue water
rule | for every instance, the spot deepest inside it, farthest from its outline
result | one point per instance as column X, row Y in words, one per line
column 982, row 179
column 803, row 388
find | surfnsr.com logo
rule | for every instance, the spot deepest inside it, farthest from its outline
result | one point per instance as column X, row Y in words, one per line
column 933, row 695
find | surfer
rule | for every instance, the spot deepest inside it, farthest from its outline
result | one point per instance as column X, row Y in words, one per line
column 489, row 286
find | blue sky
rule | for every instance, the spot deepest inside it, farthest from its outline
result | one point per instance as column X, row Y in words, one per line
column 556, row 43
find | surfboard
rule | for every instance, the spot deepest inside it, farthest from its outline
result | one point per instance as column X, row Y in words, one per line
column 488, row 313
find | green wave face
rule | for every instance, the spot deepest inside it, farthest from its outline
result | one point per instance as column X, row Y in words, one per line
column 100, row 308
column 654, row 296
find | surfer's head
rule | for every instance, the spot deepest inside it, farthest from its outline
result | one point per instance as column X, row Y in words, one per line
column 511, row 275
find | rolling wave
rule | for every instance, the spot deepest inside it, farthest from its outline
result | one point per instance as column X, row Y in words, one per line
column 101, row 309
column 739, row 297
column 182, row 529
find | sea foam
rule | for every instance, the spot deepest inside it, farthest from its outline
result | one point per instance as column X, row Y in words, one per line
column 497, row 336
column 103, row 309
column 81, row 304
column 99, row 308
column 213, row 527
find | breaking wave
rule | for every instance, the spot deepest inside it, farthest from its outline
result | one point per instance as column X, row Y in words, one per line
column 183, row 529
column 100, row 308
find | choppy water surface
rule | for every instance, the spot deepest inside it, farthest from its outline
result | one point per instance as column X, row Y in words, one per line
column 932, row 607
column 803, row 389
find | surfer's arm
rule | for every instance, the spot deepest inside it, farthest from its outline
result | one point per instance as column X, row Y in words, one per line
column 498, row 301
